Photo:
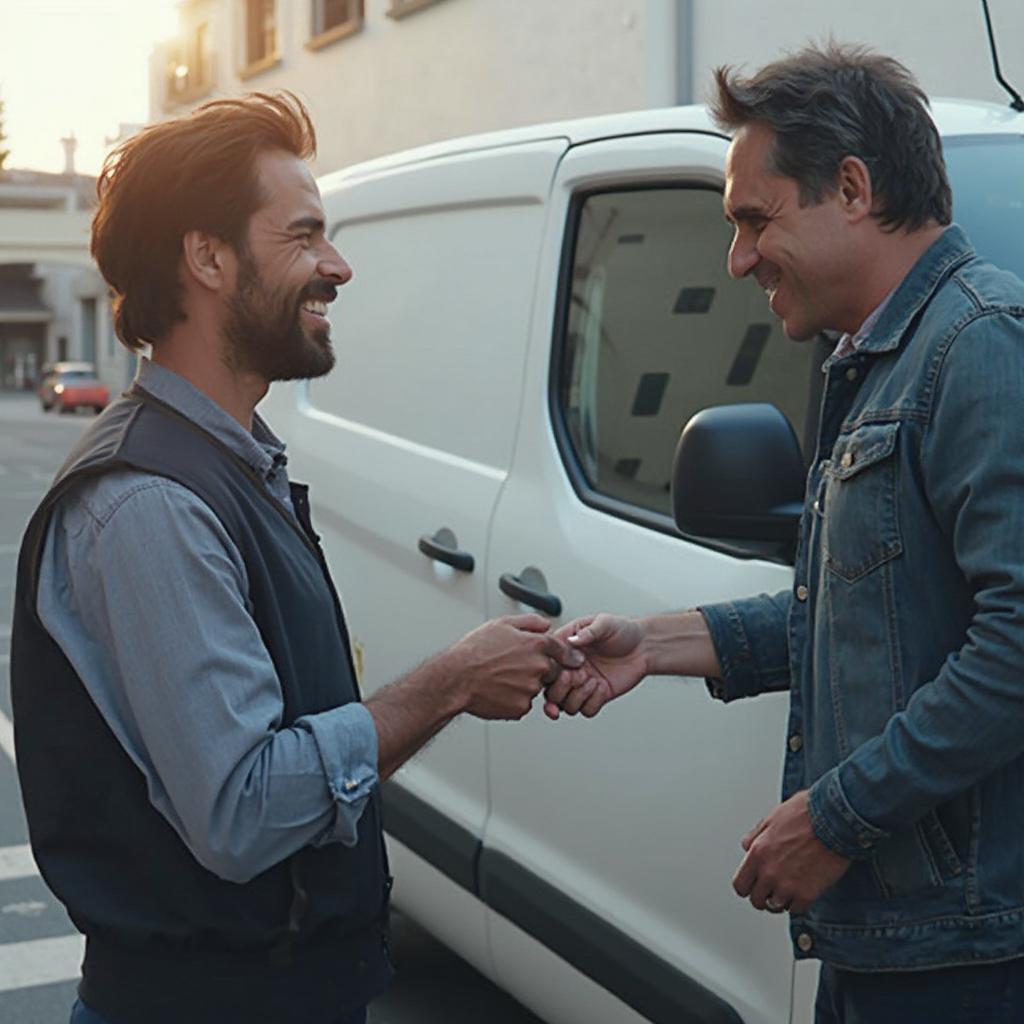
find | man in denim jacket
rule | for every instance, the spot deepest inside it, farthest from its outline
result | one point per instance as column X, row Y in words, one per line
column 899, row 846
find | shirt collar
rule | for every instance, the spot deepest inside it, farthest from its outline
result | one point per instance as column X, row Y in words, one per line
column 850, row 343
column 262, row 449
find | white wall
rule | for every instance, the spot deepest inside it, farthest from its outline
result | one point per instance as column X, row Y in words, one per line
column 464, row 66
column 467, row 66
column 455, row 68
column 57, row 292
column 942, row 41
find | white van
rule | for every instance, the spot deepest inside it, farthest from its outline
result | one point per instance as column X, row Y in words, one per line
column 534, row 317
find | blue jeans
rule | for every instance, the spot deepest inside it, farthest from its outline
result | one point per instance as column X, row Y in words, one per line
column 81, row 1014
column 985, row 994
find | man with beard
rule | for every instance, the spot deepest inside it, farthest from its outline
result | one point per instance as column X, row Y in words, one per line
column 199, row 775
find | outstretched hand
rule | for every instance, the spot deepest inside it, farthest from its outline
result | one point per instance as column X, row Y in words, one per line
column 503, row 664
column 615, row 663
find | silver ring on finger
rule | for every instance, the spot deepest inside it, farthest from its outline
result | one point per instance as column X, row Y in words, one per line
column 775, row 906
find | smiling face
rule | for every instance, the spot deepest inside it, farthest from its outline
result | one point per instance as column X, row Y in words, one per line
column 276, row 322
column 800, row 255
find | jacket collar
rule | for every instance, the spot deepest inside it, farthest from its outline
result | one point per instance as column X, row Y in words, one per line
column 946, row 253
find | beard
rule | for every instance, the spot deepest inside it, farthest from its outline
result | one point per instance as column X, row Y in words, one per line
column 264, row 330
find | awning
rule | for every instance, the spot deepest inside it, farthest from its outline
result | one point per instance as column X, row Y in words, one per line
column 20, row 302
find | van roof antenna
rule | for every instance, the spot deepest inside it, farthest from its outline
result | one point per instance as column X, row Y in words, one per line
column 1016, row 102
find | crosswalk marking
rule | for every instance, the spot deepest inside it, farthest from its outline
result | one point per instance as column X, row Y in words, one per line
column 16, row 862
column 7, row 736
column 40, row 962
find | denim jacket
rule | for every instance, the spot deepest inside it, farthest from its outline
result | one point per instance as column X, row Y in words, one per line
column 902, row 639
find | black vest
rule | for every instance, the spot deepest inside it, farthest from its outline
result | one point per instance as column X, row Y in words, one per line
column 168, row 942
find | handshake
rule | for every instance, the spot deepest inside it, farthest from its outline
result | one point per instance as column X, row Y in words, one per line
column 498, row 670
column 591, row 661
column 502, row 666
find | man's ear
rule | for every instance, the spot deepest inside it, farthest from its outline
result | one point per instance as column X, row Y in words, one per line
column 854, row 189
column 206, row 259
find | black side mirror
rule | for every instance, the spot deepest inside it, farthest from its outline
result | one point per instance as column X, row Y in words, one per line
column 739, row 474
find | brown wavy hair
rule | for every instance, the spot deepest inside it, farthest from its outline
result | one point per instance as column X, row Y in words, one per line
column 196, row 172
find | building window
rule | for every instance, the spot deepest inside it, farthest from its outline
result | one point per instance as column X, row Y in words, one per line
column 261, row 46
column 190, row 67
column 333, row 20
column 400, row 8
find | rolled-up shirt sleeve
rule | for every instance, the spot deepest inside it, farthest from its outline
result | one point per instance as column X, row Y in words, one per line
column 346, row 740
column 145, row 593
column 750, row 640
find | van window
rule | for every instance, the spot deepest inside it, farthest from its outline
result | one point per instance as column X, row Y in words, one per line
column 985, row 173
column 655, row 331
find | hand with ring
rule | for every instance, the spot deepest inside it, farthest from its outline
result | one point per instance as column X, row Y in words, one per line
column 787, row 867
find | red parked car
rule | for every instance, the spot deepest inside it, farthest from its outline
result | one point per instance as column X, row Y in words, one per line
column 69, row 386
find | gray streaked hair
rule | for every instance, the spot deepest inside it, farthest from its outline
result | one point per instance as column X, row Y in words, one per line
column 827, row 103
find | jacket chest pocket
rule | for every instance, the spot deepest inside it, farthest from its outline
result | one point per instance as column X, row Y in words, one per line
column 861, row 523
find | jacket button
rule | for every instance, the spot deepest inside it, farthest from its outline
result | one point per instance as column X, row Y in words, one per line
column 801, row 593
column 847, row 460
column 796, row 743
column 804, row 942
column 851, row 373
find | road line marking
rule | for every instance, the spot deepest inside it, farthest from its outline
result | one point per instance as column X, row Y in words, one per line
column 26, row 908
column 7, row 737
column 40, row 962
column 17, row 862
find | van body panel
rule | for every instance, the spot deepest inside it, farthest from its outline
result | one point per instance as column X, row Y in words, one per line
column 565, row 795
column 495, row 382
column 413, row 432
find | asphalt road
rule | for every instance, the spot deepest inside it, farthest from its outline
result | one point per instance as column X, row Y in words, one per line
column 39, row 948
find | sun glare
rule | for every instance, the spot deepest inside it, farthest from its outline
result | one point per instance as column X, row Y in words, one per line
column 76, row 67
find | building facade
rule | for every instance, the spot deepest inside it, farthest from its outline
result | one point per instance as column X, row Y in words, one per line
column 53, row 303
column 384, row 75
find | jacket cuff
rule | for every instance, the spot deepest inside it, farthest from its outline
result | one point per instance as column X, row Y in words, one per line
column 751, row 643
column 837, row 824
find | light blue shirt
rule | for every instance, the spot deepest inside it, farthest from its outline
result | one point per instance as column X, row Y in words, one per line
column 850, row 343
column 147, row 596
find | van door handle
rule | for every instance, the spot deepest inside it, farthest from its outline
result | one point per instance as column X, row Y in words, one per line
column 531, row 588
column 443, row 547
